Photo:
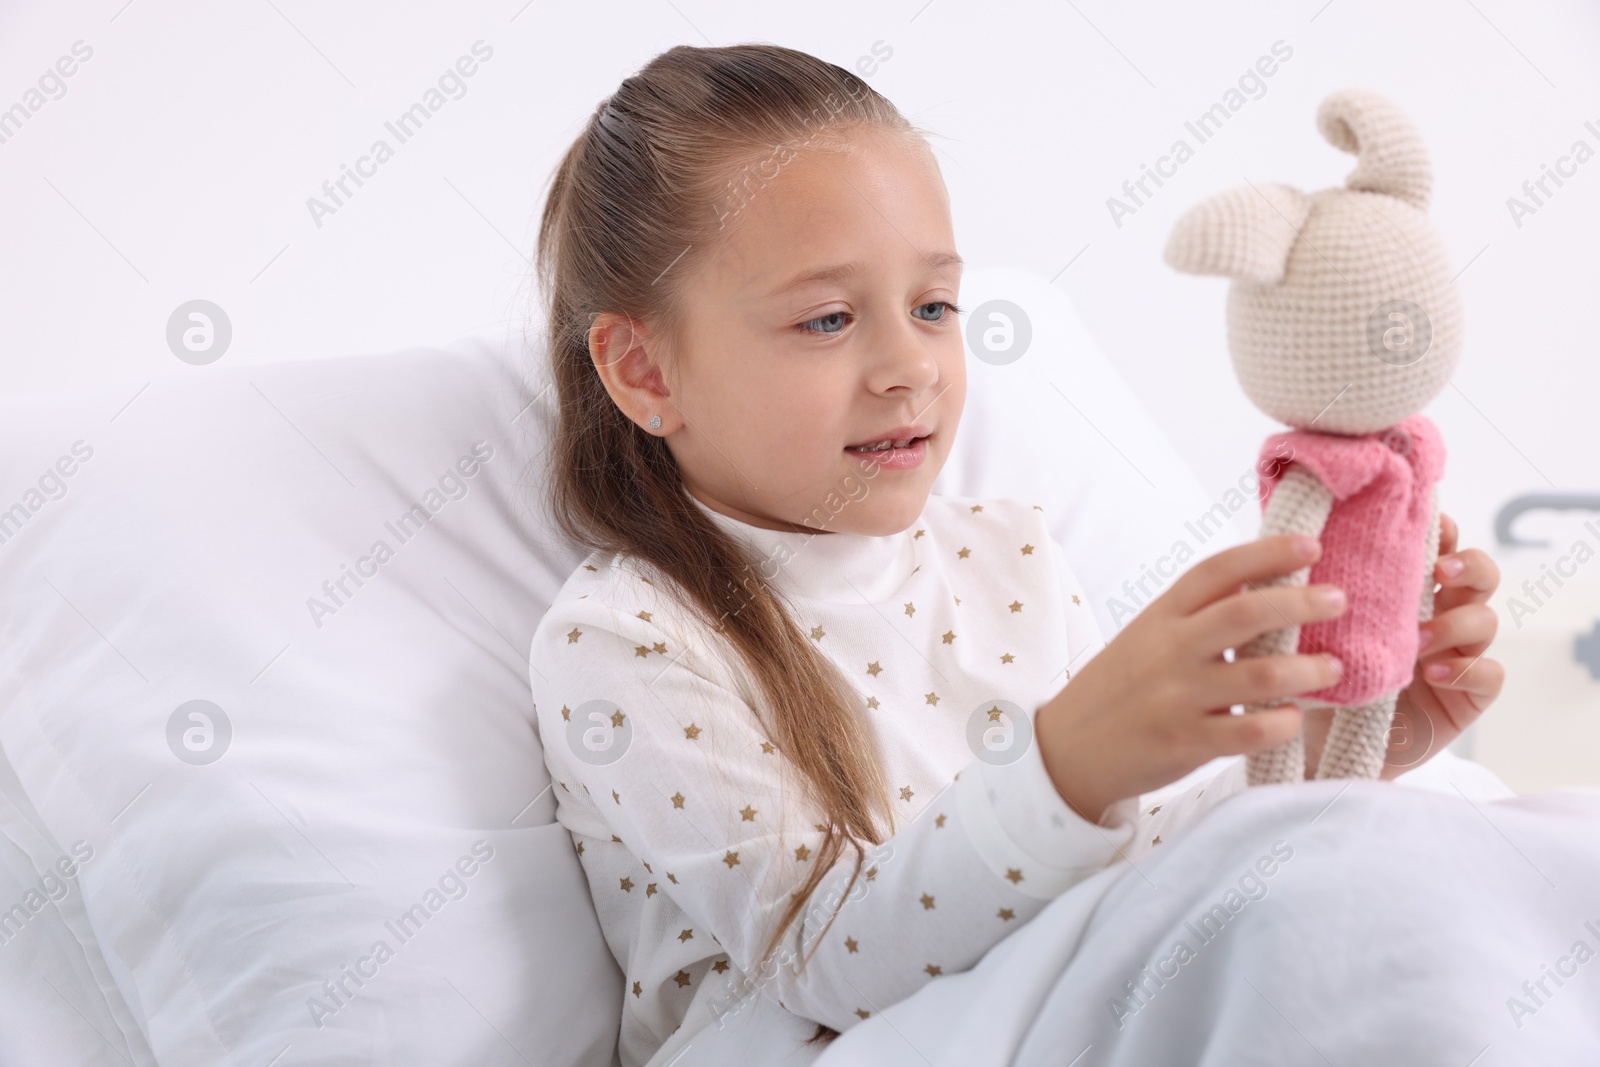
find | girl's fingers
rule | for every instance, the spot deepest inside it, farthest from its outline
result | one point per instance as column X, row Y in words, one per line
column 1225, row 573
column 1474, row 580
column 1467, row 629
column 1448, row 532
column 1261, row 679
column 1230, row 735
column 1234, row 621
column 1477, row 677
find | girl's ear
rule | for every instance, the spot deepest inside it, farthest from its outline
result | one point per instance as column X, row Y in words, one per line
column 1244, row 233
column 625, row 364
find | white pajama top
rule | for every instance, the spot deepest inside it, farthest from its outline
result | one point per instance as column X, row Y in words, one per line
column 693, row 832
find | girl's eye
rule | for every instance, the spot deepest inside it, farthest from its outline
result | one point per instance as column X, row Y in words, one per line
column 944, row 304
column 834, row 321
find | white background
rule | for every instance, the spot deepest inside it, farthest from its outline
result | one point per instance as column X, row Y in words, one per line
column 178, row 164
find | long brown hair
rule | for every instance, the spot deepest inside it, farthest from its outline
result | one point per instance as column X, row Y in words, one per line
column 662, row 166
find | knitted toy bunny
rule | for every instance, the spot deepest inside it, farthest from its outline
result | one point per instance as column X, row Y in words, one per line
column 1343, row 322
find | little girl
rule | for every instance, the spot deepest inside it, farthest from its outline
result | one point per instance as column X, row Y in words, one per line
column 818, row 735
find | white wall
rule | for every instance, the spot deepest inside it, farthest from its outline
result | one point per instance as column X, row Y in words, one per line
column 178, row 164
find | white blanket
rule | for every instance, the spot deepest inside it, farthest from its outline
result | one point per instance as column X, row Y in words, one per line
column 1396, row 926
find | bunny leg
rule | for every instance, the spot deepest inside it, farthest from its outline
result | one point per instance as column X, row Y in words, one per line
column 1299, row 504
column 1358, row 740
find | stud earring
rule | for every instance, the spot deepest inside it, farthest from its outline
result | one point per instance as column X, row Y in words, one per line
column 655, row 422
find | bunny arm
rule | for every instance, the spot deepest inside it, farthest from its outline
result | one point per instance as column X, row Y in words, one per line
column 1300, row 504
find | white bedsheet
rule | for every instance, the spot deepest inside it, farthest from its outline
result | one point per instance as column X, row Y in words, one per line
column 1400, row 930
column 1397, row 926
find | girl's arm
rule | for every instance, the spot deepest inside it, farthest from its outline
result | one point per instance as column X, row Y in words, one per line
column 699, row 793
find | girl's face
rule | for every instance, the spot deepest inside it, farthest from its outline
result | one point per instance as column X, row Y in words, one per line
column 822, row 321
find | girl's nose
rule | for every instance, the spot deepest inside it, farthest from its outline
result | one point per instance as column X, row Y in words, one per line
column 904, row 361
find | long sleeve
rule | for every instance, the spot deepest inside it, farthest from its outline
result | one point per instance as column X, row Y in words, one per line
column 662, row 765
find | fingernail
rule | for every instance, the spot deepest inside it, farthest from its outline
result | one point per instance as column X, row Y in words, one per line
column 1305, row 546
column 1337, row 664
column 1439, row 671
column 1424, row 638
column 1333, row 597
column 1452, row 566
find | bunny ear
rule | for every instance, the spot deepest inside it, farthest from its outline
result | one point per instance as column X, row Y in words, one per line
column 1391, row 156
column 1243, row 233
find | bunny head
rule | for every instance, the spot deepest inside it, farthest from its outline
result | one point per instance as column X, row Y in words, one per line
column 1343, row 316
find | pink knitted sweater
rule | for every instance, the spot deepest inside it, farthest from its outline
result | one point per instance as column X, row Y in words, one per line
column 1373, row 547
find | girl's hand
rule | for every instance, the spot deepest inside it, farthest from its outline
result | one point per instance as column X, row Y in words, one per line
column 1153, row 704
column 1453, row 642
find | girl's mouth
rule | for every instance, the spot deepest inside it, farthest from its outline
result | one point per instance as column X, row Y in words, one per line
column 902, row 454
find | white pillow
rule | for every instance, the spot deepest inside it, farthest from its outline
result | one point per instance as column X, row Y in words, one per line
column 169, row 543
column 375, row 734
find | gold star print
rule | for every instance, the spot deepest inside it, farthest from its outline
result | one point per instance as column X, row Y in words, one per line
column 1075, row 599
column 672, row 878
column 863, row 1012
column 627, row 885
column 1027, row 550
column 1006, row 914
column 926, row 901
column 995, row 713
column 720, row 966
column 580, row 848
column 872, row 872
column 647, row 866
column 616, row 796
column 1155, row 809
column 1016, row 605
column 934, row 969
column 918, row 534
column 977, row 508
column 731, row 859
column 687, row 935
column 817, row 633
column 1157, row 841
column 747, row 814
column 691, row 732
column 768, row 748
column 616, row 718
column 931, row 698
column 614, row 837
column 641, row 650
column 1013, row 875
column 850, row 944
column 801, row 853
column 873, row 668
column 938, row 824
column 566, row 713
column 677, row 800
column 660, row 646
column 573, row 635
column 872, row 702
column 636, row 989
column 964, row 553
column 1006, row 657
column 682, row 978
column 590, row 567
column 906, row 793
column 650, row 890
column 911, row 609
column 949, row 636
column 645, row 615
